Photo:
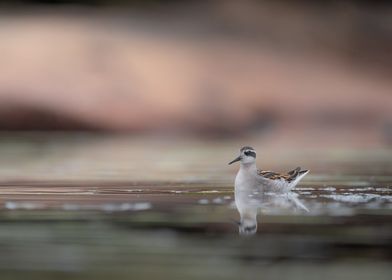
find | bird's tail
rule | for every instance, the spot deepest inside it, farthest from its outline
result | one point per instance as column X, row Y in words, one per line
column 296, row 176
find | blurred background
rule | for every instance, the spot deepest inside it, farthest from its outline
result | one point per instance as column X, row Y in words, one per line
column 305, row 73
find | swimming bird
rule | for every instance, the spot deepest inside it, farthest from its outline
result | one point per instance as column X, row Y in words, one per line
column 255, row 189
column 250, row 177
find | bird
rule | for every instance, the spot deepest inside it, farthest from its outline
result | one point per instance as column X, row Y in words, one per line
column 250, row 177
column 253, row 189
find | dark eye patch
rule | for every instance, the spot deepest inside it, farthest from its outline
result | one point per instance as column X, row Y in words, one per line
column 250, row 154
column 250, row 228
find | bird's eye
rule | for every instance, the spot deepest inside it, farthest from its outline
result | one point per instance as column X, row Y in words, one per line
column 250, row 154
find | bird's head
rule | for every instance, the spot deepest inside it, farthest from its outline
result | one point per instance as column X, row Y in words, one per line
column 247, row 155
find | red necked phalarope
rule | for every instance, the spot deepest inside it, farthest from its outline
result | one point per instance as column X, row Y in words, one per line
column 250, row 177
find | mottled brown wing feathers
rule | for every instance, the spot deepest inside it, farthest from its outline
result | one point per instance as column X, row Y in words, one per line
column 294, row 171
column 273, row 175
column 290, row 176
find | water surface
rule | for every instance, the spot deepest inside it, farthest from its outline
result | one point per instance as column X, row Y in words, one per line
column 93, row 207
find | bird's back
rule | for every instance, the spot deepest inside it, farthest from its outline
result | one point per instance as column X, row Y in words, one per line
column 282, row 182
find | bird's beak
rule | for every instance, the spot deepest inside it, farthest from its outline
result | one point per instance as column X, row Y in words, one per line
column 237, row 159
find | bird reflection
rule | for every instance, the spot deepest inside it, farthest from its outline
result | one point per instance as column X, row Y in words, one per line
column 251, row 201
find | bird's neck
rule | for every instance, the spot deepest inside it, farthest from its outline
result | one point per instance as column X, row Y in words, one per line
column 248, row 167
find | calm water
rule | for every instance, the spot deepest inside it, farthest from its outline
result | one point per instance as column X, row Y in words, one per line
column 94, row 207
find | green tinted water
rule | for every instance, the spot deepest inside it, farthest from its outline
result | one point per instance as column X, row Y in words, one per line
column 94, row 207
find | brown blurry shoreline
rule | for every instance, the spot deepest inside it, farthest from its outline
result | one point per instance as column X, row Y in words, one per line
column 221, row 69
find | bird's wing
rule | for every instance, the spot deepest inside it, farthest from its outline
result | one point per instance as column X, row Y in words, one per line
column 294, row 171
column 273, row 175
column 289, row 177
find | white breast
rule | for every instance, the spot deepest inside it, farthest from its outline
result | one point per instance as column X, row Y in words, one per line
column 243, row 179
